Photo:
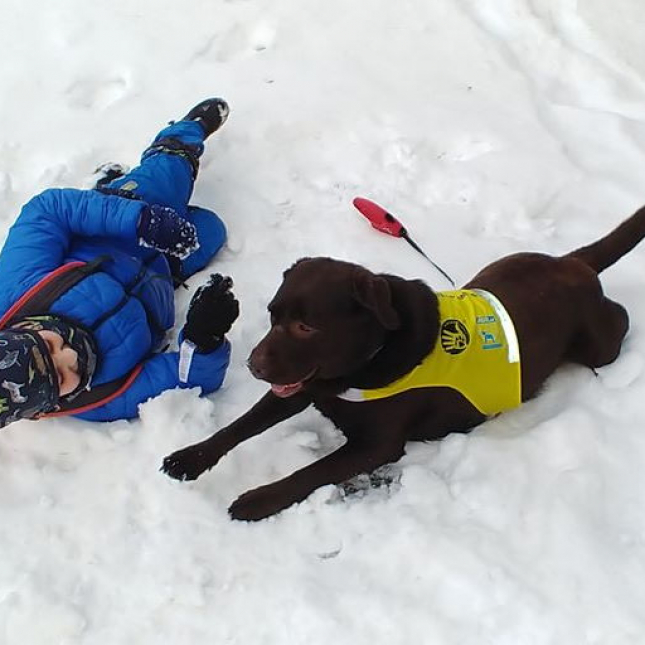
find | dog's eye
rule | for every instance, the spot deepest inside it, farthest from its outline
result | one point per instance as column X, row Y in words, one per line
column 300, row 329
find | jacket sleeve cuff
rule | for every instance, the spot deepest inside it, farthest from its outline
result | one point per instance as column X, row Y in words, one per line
column 190, row 354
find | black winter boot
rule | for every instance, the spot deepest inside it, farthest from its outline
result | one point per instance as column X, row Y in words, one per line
column 210, row 114
column 108, row 172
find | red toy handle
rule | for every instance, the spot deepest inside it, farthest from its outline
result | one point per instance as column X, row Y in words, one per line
column 379, row 218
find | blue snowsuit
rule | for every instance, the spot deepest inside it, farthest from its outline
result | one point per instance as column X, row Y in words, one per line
column 128, row 304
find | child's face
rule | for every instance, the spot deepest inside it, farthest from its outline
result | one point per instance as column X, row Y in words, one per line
column 65, row 361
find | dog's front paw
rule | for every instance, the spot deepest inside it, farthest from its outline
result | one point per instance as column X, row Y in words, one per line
column 187, row 464
column 259, row 503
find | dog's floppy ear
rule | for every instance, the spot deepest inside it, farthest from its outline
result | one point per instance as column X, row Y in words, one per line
column 373, row 292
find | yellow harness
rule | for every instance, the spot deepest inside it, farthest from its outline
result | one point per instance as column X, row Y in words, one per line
column 477, row 354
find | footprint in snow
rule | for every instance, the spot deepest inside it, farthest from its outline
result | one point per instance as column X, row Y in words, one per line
column 238, row 43
column 91, row 93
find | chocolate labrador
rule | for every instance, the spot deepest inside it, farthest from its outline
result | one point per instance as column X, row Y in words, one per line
column 343, row 338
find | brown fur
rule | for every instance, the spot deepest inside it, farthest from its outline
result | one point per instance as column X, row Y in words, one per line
column 336, row 325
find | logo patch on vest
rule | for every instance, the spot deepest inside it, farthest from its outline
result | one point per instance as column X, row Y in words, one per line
column 454, row 336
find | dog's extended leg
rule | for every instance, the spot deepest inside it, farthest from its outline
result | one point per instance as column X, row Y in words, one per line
column 191, row 462
column 351, row 459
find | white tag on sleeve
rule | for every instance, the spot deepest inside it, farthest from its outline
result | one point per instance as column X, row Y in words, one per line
column 186, row 352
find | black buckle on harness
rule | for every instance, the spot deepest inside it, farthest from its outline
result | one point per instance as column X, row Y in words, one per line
column 172, row 146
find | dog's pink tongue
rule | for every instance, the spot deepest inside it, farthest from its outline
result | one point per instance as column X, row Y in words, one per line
column 283, row 391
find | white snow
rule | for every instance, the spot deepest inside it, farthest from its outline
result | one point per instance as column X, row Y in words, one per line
column 489, row 126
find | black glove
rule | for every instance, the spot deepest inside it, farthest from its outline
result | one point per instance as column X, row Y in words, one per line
column 162, row 228
column 211, row 313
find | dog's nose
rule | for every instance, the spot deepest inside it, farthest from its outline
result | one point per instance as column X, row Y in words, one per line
column 255, row 369
column 258, row 363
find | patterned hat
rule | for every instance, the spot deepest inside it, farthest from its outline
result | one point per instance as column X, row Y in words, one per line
column 28, row 378
column 28, row 381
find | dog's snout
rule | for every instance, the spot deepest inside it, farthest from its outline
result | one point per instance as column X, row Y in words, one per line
column 257, row 370
column 258, row 363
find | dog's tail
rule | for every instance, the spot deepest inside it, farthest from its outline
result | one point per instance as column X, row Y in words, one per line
column 609, row 249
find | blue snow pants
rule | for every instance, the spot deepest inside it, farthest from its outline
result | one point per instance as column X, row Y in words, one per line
column 166, row 176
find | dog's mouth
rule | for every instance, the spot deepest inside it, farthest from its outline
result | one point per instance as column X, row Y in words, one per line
column 284, row 391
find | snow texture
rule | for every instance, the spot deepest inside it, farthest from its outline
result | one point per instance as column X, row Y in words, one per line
column 489, row 127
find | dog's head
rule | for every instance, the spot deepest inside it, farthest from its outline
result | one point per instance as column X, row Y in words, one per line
column 328, row 318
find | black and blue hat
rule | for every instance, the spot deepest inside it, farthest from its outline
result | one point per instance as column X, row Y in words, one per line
column 28, row 378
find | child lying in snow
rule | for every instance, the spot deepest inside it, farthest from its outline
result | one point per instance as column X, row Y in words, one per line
column 87, row 286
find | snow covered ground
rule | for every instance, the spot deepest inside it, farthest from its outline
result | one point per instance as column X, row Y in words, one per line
column 490, row 126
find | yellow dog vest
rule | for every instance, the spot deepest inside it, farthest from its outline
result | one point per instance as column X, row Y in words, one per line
column 477, row 354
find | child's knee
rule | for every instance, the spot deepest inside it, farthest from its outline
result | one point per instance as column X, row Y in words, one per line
column 211, row 233
column 211, row 230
